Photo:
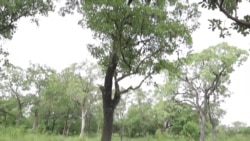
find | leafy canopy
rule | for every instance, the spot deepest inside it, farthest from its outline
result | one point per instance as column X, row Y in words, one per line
column 13, row 10
column 141, row 34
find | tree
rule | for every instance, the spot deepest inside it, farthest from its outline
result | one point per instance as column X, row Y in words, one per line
column 237, row 125
column 12, row 11
column 36, row 77
column 80, row 87
column 240, row 23
column 135, row 40
column 15, row 86
column 178, row 118
column 139, row 117
column 56, row 105
column 215, row 113
column 205, row 75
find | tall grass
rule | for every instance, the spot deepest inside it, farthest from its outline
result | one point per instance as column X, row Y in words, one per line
column 19, row 134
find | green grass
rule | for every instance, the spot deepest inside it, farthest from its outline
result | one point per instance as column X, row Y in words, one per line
column 40, row 137
column 13, row 134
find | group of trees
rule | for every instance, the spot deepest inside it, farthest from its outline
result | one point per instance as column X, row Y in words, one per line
column 41, row 98
column 136, row 39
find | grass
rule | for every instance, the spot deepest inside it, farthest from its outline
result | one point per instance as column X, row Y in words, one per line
column 12, row 134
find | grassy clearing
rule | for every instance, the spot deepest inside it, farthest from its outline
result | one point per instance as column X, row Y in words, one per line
column 40, row 137
column 18, row 134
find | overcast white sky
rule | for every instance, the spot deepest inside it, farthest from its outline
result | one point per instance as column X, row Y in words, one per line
column 59, row 42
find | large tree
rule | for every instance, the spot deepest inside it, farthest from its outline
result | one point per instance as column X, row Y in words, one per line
column 136, row 38
column 204, row 76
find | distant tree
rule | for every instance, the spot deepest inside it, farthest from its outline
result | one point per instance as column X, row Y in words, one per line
column 237, row 125
column 230, row 8
column 57, row 109
column 139, row 119
column 14, row 87
column 80, row 87
column 135, row 39
column 205, row 75
column 36, row 78
column 178, row 118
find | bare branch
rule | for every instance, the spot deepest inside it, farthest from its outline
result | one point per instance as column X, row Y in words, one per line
column 137, row 87
column 210, row 90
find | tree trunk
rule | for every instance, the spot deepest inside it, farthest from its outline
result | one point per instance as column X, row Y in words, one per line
column 53, row 124
column 20, row 114
column 84, row 111
column 121, row 131
column 202, row 120
column 214, row 133
column 35, row 121
column 108, row 123
column 66, row 126
column 109, row 101
column 214, row 126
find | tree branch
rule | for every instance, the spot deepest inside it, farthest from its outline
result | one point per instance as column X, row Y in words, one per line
column 137, row 87
column 238, row 21
column 5, row 112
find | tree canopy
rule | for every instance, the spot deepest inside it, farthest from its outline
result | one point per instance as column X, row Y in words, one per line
column 136, row 38
column 12, row 11
column 204, row 77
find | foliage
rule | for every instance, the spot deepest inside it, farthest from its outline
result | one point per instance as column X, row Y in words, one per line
column 135, row 38
column 12, row 11
column 230, row 8
column 203, row 81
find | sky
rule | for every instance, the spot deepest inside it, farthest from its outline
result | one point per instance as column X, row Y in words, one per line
column 60, row 41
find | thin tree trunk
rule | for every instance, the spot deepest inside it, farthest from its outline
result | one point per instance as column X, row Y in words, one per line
column 53, row 124
column 214, row 127
column 65, row 128
column 19, row 116
column 121, row 132
column 202, row 126
column 84, row 111
column 35, row 121
column 214, row 134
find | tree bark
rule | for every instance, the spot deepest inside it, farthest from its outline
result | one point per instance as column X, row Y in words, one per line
column 214, row 133
column 121, row 131
column 35, row 121
column 84, row 111
column 202, row 120
column 109, row 101
column 66, row 124
column 20, row 114
column 214, row 126
column 108, row 123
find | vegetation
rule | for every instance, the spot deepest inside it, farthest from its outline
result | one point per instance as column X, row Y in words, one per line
column 230, row 8
column 136, row 40
column 203, row 79
column 12, row 11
